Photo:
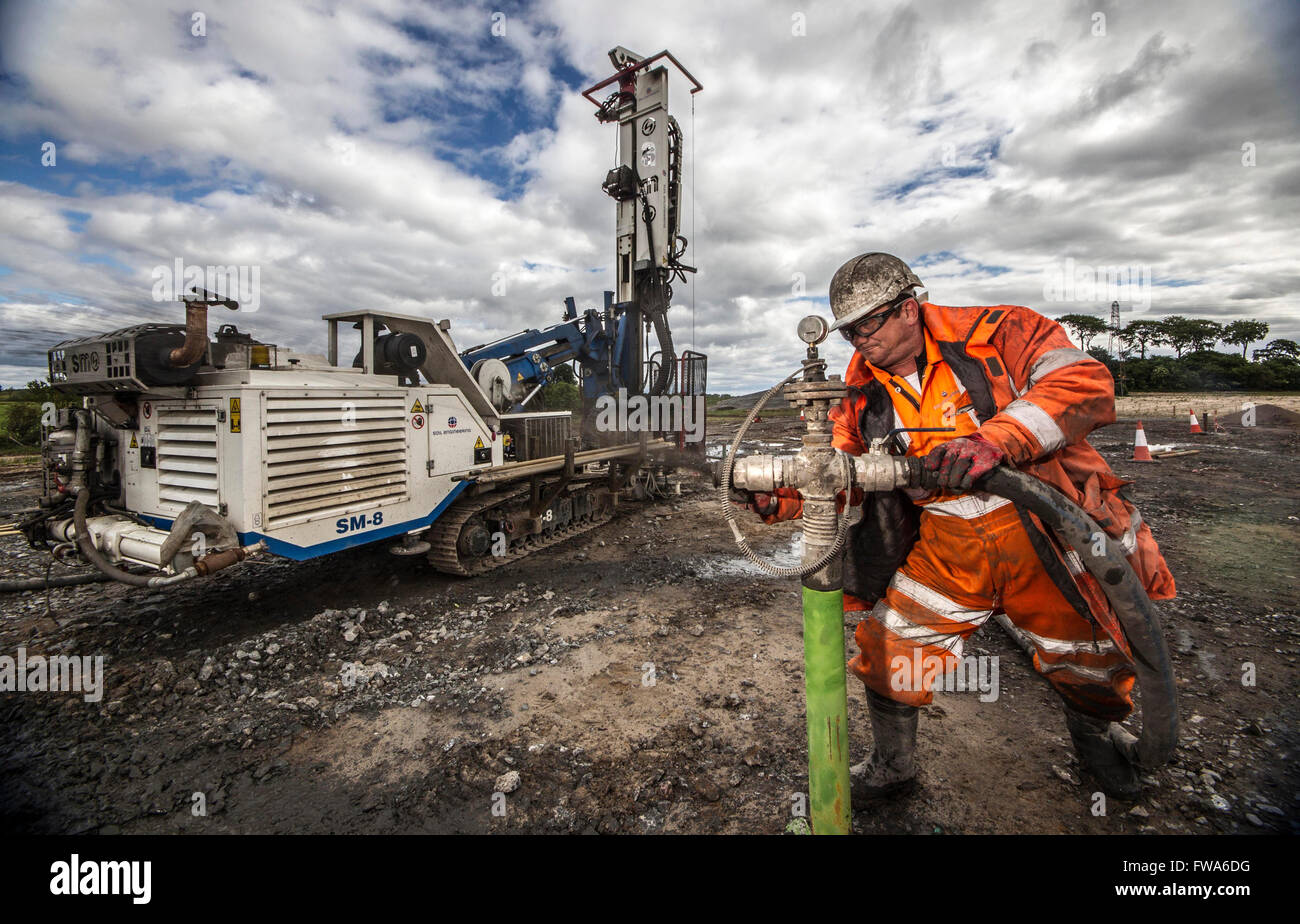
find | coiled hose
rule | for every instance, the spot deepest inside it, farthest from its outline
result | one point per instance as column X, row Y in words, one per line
column 728, row 510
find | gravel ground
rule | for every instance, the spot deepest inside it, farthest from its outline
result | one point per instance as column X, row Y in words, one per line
column 642, row 679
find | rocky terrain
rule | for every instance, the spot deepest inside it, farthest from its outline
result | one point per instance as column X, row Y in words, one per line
column 643, row 679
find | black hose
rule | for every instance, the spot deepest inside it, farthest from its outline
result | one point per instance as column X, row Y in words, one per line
column 86, row 546
column 1127, row 596
column 66, row 580
column 668, row 369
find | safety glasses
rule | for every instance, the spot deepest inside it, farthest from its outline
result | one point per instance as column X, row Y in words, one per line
column 869, row 325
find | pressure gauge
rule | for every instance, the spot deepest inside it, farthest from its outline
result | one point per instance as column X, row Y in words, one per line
column 813, row 329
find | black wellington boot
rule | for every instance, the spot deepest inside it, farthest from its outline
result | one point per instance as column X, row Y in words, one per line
column 1097, row 753
column 891, row 769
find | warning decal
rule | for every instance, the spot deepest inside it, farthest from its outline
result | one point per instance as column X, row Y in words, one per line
column 478, row 443
column 234, row 415
column 417, row 407
column 134, row 444
column 482, row 453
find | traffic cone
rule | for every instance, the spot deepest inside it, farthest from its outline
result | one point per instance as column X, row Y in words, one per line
column 1196, row 424
column 1141, row 453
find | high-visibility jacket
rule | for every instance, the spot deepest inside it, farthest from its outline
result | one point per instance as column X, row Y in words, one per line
column 1014, row 377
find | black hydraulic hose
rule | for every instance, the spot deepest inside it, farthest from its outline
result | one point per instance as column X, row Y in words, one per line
column 66, row 580
column 86, row 546
column 1127, row 596
column 669, row 367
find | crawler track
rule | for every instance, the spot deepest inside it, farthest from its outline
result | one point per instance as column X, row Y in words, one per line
column 446, row 556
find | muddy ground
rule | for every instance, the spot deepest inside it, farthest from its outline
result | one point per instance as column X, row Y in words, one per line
column 641, row 679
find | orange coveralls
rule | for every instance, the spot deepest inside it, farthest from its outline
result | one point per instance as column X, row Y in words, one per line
column 976, row 554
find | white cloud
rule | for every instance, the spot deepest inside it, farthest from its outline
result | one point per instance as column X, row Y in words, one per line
column 326, row 144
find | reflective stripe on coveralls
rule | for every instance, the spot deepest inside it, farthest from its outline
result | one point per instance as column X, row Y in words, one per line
column 958, row 572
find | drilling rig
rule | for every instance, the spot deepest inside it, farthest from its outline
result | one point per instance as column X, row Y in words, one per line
column 191, row 453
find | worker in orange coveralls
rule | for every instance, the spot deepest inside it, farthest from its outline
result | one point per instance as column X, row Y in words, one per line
column 927, row 568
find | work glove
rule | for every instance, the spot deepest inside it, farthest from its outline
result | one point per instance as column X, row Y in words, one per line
column 763, row 504
column 959, row 463
column 854, row 498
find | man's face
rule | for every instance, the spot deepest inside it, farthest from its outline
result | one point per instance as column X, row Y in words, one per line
column 897, row 339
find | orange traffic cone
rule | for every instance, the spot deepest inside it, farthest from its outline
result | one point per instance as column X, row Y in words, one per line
column 1196, row 424
column 1141, row 452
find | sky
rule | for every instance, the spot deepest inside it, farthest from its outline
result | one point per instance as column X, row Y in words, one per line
column 438, row 159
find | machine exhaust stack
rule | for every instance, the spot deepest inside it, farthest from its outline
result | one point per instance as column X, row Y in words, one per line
column 196, row 327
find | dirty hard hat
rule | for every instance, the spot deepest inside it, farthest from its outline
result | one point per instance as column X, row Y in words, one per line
column 867, row 282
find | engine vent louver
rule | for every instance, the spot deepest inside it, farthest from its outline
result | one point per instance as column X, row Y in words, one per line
column 328, row 455
column 187, row 457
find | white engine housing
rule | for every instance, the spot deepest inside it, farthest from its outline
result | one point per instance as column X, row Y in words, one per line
column 312, row 462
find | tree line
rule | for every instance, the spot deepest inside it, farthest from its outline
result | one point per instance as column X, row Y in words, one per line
column 1196, row 365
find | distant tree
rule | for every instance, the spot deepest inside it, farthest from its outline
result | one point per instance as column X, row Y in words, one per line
column 1286, row 350
column 1138, row 334
column 1204, row 334
column 23, row 423
column 1084, row 327
column 562, row 396
column 1244, row 333
column 41, row 391
column 1188, row 333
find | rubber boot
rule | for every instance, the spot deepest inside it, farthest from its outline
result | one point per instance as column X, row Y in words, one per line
column 891, row 769
column 1097, row 753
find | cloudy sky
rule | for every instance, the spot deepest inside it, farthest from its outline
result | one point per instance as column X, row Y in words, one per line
column 399, row 155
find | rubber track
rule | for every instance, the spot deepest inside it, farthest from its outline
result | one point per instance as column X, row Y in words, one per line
column 445, row 556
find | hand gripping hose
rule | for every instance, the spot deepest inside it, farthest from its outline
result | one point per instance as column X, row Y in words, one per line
column 728, row 509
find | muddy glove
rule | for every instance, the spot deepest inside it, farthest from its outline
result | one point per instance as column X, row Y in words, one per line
column 854, row 499
column 763, row 504
column 958, row 463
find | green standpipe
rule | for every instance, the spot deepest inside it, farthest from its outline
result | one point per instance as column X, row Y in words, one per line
column 827, row 701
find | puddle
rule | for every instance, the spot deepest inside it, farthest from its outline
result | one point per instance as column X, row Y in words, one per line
column 750, row 447
column 785, row 555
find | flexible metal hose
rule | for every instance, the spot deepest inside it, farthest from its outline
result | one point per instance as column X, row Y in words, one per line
column 728, row 510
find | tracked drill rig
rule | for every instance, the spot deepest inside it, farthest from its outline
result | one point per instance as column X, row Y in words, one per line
column 190, row 453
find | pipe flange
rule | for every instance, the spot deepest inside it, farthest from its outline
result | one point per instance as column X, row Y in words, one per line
column 832, row 390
